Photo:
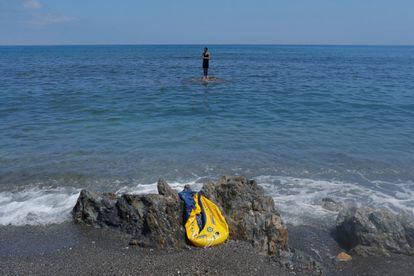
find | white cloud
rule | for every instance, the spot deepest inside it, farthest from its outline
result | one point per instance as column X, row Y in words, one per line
column 32, row 4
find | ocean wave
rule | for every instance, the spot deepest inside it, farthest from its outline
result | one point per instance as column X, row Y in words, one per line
column 40, row 206
column 299, row 200
column 37, row 206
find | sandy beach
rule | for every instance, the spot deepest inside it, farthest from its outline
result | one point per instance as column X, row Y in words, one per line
column 69, row 249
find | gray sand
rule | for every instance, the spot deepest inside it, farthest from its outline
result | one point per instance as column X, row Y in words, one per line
column 69, row 249
column 78, row 250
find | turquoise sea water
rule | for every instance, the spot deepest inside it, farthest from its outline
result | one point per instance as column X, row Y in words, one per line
column 305, row 121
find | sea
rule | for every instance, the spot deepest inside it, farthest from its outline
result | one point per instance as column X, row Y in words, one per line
column 305, row 122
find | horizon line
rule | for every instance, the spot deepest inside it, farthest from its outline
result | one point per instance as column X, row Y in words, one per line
column 207, row 44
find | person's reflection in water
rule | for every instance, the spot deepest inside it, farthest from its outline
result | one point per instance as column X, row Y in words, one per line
column 205, row 99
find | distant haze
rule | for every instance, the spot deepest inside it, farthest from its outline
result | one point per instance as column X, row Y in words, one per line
column 377, row 22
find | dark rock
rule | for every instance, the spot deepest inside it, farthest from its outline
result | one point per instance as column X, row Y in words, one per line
column 165, row 190
column 366, row 231
column 90, row 205
column 250, row 214
column 155, row 220
column 331, row 205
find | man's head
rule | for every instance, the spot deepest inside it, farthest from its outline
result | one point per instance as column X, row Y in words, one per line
column 205, row 49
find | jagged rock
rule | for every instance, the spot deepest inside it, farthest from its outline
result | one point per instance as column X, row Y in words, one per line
column 165, row 190
column 250, row 214
column 90, row 205
column 366, row 231
column 152, row 220
column 156, row 220
column 331, row 205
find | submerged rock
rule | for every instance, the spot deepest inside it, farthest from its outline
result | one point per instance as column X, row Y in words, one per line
column 250, row 214
column 366, row 231
column 156, row 220
column 331, row 205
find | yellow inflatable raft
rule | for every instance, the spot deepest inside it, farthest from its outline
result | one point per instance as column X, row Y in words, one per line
column 205, row 225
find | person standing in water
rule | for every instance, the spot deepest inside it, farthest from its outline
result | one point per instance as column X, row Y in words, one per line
column 206, row 62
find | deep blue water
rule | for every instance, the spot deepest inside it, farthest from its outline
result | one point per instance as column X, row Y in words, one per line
column 305, row 121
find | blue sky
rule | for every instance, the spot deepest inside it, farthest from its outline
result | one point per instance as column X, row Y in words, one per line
column 207, row 22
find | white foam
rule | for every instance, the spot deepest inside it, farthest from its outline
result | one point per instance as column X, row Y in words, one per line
column 152, row 187
column 299, row 199
column 37, row 206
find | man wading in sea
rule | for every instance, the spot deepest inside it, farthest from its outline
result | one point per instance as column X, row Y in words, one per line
column 206, row 61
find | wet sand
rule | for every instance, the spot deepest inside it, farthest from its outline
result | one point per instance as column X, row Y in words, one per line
column 68, row 249
column 318, row 243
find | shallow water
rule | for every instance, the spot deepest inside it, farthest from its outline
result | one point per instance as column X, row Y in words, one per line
column 305, row 121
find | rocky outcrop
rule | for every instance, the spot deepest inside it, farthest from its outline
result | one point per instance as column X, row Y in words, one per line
column 366, row 231
column 250, row 214
column 156, row 220
column 152, row 220
column 165, row 190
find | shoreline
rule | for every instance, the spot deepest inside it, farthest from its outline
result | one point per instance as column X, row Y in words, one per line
column 69, row 249
column 42, row 205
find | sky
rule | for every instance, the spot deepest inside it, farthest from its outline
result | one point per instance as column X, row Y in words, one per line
column 50, row 22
